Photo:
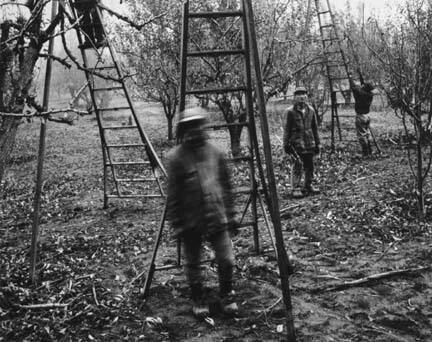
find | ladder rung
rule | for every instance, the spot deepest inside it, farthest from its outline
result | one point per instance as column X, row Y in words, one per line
column 326, row 26
column 324, row 12
column 125, row 145
column 329, row 39
column 346, row 116
column 236, row 159
column 119, row 127
column 214, row 53
column 214, row 90
column 135, row 196
column 108, row 67
column 339, row 78
column 242, row 191
column 226, row 125
column 245, row 224
column 222, row 14
column 113, row 109
column 332, row 52
column 135, row 180
column 108, row 88
column 127, row 163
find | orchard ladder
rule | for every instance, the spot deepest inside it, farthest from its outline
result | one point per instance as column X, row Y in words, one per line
column 337, row 65
column 248, row 53
column 132, row 168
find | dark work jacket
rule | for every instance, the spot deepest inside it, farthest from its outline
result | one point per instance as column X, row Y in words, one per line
column 301, row 130
column 199, row 190
column 363, row 100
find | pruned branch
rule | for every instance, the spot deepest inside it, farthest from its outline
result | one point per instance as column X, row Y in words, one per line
column 127, row 20
column 371, row 278
column 42, row 114
column 57, row 59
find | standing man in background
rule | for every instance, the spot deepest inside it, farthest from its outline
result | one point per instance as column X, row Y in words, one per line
column 301, row 142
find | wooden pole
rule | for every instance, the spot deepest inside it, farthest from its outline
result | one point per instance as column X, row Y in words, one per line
column 41, row 153
column 283, row 262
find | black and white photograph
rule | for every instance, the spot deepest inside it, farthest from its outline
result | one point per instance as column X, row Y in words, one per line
column 216, row 170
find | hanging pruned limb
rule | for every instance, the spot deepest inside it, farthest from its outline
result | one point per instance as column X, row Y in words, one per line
column 42, row 114
column 57, row 59
column 127, row 20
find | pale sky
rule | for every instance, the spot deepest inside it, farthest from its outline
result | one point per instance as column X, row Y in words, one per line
column 371, row 7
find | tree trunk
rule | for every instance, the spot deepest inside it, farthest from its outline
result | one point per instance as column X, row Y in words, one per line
column 420, row 192
column 16, row 76
column 8, row 130
column 235, row 138
column 170, row 127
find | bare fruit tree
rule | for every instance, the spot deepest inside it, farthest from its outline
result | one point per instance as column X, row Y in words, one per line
column 24, row 29
column 405, row 53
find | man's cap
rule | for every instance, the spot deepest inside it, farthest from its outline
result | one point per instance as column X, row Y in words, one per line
column 300, row 90
column 191, row 114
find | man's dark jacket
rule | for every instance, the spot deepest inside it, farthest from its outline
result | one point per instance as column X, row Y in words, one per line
column 199, row 190
column 363, row 99
column 301, row 130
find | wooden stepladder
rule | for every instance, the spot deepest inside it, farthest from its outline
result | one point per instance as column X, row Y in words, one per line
column 132, row 168
column 260, row 182
column 337, row 65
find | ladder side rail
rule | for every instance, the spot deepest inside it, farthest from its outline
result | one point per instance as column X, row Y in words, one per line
column 151, row 153
column 105, row 152
column 183, row 57
column 253, row 141
column 345, row 61
column 283, row 261
column 333, row 101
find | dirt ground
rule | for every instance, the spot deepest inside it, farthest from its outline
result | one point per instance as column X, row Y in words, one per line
column 93, row 261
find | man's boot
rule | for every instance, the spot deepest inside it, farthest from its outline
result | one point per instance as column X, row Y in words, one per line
column 311, row 190
column 369, row 149
column 228, row 303
column 200, row 308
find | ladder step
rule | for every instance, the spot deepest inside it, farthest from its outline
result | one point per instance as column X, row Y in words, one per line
column 214, row 90
column 119, row 127
column 242, row 190
column 327, row 26
column 215, row 53
column 125, row 145
column 108, row 88
column 135, row 180
column 113, row 109
column 323, row 12
column 339, row 78
column 108, row 67
column 226, row 125
column 135, row 196
column 329, row 39
column 127, row 163
column 237, row 159
column 222, row 14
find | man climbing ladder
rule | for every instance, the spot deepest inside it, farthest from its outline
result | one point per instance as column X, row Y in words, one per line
column 363, row 97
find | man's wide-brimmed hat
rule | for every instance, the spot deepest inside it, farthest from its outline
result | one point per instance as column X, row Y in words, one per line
column 300, row 90
column 191, row 114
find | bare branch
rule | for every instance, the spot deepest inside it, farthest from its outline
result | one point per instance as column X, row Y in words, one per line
column 56, row 58
column 130, row 22
column 43, row 114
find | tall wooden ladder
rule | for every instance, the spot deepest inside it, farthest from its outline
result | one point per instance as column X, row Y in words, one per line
column 252, row 157
column 337, row 66
column 131, row 166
